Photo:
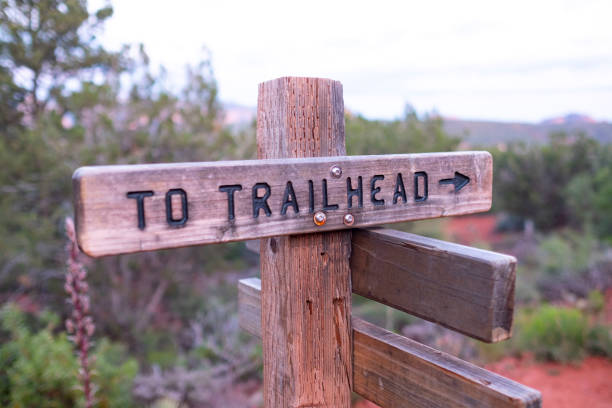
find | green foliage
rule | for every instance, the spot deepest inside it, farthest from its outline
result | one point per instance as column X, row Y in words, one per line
column 113, row 372
column 557, row 334
column 41, row 367
column 602, row 203
column 596, row 301
column 526, row 291
column 159, row 348
column 554, row 334
column 48, row 42
column 563, row 183
column 566, row 253
column 11, row 95
column 588, row 198
column 560, row 334
column 560, row 265
column 77, row 114
column 407, row 135
column 599, row 341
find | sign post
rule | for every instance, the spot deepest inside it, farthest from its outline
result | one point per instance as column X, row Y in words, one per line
column 306, row 279
column 304, row 198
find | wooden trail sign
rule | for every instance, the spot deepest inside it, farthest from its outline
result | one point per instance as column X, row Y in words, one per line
column 394, row 371
column 123, row 209
column 301, row 198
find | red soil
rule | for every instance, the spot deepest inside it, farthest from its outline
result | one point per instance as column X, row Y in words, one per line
column 471, row 229
column 588, row 384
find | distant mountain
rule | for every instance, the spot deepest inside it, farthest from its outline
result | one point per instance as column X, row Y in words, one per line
column 569, row 119
column 485, row 133
column 480, row 132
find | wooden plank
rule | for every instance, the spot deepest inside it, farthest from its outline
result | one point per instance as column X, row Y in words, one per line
column 306, row 293
column 465, row 289
column 225, row 201
column 249, row 305
column 394, row 371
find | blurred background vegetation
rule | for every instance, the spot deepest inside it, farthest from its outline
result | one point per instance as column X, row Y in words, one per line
column 166, row 324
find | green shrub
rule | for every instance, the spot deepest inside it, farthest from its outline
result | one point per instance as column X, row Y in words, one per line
column 554, row 333
column 40, row 369
column 113, row 373
column 596, row 301
column 566, row 253
column 599, row 341
column 526, row 290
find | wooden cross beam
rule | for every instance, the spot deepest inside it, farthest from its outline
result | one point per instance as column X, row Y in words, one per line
column 394, row 371
column 465, row 289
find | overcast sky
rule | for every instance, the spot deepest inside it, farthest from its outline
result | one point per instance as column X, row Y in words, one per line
column 500, row 60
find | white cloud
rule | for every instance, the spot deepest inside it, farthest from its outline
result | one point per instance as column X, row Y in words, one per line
column 520, row 60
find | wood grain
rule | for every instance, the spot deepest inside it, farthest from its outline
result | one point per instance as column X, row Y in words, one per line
column 108, row 224
column 465, row 289
column 306, row 296
column 394, row 371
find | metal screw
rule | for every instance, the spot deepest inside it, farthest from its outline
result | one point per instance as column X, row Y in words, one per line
column 349, row 219
column 319, row 218
column 335, row 171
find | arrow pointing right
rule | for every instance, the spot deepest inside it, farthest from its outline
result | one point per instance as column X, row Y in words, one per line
column 459, row 181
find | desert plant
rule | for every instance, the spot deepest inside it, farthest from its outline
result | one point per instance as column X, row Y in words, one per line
column 79, row 324
column 554, row 333
column 599, row 341
column 40, row 369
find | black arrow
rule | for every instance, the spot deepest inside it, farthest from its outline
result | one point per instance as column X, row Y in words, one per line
column 459, row 181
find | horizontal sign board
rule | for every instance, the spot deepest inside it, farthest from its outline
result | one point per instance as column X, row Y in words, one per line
column 132, row 208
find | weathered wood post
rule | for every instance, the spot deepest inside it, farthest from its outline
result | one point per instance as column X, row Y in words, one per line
column 306, row 288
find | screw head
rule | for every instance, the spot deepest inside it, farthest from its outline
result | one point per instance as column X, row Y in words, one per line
column 349, row 219
column 335, row 171
column 319, row 218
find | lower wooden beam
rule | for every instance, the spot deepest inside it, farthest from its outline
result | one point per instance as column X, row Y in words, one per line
column 394, row 371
